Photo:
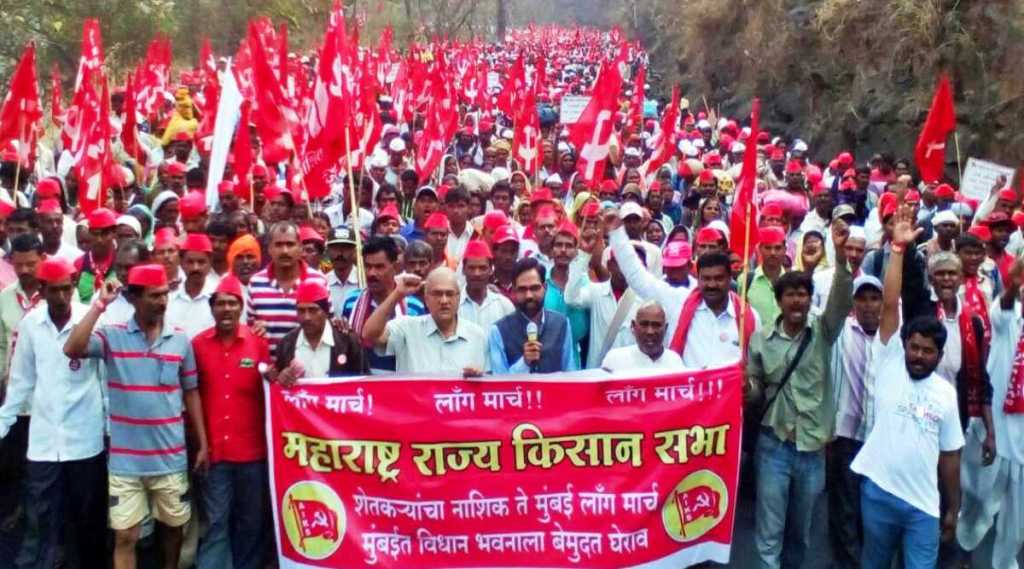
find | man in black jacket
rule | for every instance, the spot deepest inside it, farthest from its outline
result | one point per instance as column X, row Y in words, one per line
column 315, row 348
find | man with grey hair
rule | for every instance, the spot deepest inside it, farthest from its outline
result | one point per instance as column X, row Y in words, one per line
column 438, row 342
column 649, row 353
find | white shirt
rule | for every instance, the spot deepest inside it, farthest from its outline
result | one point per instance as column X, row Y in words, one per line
column 915, row 420
column 630, row 358
column 67, row 399
column 646, row 284
column 418, row 346
column 457, row 243
column 599, row 299
column 338, row 217
column 949, row 365
column 193, row 315
column 494, row 307
column 713, row 341
column 339, row 290
column 316, row 362
column 68, row 251
column 1006, row 329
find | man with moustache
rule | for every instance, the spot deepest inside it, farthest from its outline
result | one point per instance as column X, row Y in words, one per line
column 188, row 307
column 532, row 339
column 66, row 471
column 380, row 260
column 649, row 353
column 900, row 493
column 343, row 278
column 437, row 342
column 315, row 348
column 235, row 499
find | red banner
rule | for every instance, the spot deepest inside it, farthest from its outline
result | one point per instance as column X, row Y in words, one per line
column 512, row 472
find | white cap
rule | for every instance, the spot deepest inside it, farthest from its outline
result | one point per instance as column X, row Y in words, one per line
column 507, row 134
column 857, row 232
column 630, row 208
column 553, row 179
column 379, row 159
column 945, row 216
column 703, row 124
column 799, row 146
column 699, row 144
column 396, row 144
column 722, row 123
column 130, row 221
column 385, row 98
column 500, row 174
column 738, row 147
column 563, row 147
column 633, row 151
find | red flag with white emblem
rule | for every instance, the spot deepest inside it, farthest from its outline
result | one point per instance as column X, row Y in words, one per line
column 89, row 64
column 22, row 110
column 664, row 142
column 526, row 139
column 930, row 152
column 274, row 116
column 93, row 162
column 743, row 218
column 591, row 135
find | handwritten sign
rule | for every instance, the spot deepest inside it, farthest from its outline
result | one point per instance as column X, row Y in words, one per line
column 572, row 107
column 980, row 176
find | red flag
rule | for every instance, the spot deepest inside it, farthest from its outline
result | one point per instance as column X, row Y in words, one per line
column 743, row 219
column 56, row 106
column 314, row 519
column 526, row 139
column 696, row 503
column 129, row 136
column 665, row 140
column 89, row 64
column 242, row 150
column 93, row 161
column 282, row 55
column 592, row 133
column 636, row 106
column 22, row 108
column 513, row 85
column 930, row 152
column 274, row 116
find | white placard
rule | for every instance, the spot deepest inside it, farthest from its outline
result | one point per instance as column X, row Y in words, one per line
column 493, row 80
column 980, row 176
column 572, row 107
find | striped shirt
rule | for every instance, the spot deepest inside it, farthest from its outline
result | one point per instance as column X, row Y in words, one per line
column 146, row 385
column 275, row 306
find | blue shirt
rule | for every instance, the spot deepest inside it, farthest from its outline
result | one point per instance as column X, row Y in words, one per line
column 412, row 233
column 146, row 384
column 579, row 318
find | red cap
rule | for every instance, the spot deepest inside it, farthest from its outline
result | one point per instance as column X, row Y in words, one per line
column 981, row 232
column 706, row 176
column 175, row 168
column 848, row 185
column 771, row 209
column 541, row 194
column 230, row 285
column 1018, row 218
column 165, row 236
column 850, row 173
column 610, row 185
column 307, row 233
column 1008, row 194
column 708, row 235
column 477, row 249
column 182, row 136
column 777, row 154
column 147, row 275
column 913, row 196
column 712, row 159
column 102, row 218
column 545, row 212
column 845, row 159
column 676, row 254
column 817, row 188
column 390, row 211
column 996, row 217
column 887, row 205
column 569, row 228
column 49, row 205
column 794, row 167
column 590, row 209
column 437, row 220
column 225, row 187
column 192, row 205
column 260, row 170
column 504, row 234
column 442, row 191
column 54, row 269
column 945, row 192
column 197, row 242
column 495, row 219
column 311, row 291
column 48, row 188
column 771, row 235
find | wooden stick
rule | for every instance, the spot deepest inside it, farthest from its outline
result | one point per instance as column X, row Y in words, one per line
column 17, row 168
column 360, row 270
column 959, row 172
column 743, row 282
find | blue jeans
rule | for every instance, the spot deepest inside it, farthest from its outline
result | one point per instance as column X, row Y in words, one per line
column 889, row 521
column 789, row 483
column 235, row 497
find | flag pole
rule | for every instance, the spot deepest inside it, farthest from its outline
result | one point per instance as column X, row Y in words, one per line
column 959, row 172
column 17, row 168
column 743, row 280
column 360, row 270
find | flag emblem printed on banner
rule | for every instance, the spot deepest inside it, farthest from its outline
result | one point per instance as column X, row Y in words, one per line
column 314, row 518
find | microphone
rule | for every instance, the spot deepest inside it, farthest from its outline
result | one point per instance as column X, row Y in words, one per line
column 531, row 336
